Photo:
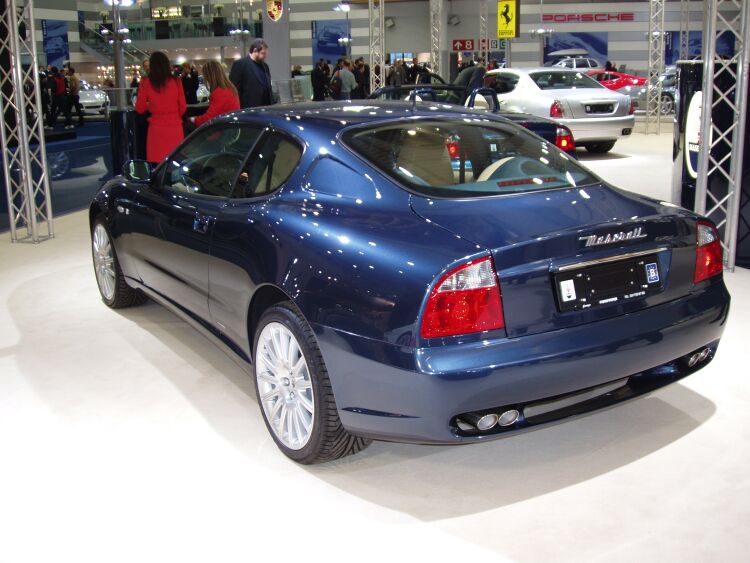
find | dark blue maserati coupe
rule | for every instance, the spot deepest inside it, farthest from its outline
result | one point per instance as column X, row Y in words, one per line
column 411, row 272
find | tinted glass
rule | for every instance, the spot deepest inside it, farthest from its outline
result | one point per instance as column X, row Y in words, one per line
column 209, row 162
column 505, row 83
column 451, row 158
column 269, row 166
column 551, row 80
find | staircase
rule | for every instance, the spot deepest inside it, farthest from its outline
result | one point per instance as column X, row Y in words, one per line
column 98, row 46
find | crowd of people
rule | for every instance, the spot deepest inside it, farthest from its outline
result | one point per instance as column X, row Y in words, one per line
column 60, row 94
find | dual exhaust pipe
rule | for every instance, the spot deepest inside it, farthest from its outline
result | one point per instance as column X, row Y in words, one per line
column 698, row 357
column 487, row 421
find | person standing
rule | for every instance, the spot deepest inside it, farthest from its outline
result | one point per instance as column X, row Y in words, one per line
column 59, row 93
column 74, row 95
column 190, row 83
column 251, row 77
column 162, row 95
column 348, row 82
column 318, row 79
column 224, row 96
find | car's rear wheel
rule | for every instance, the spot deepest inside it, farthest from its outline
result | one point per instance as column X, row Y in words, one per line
column 113, row 288
column 600, row 148
column 294, row 391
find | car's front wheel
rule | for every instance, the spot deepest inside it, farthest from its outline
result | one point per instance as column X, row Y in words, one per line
column 600, row 148
column 113, row 288
column 667, row 104
column 294, row 391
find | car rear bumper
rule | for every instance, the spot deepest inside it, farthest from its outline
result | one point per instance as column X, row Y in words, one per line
column 380, row 396
column 599, row 128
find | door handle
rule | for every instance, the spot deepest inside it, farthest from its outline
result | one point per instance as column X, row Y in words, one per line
column 201, row 223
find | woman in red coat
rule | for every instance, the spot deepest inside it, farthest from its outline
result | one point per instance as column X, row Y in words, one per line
column 224, row 96
column 163, row 97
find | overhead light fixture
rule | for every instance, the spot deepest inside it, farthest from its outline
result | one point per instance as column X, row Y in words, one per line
column 342, row 7
column 453, row 20
column 389, row 22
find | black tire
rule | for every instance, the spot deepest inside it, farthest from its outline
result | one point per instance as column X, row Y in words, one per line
column 123, row 295
column 600, row 148
column 328, row 440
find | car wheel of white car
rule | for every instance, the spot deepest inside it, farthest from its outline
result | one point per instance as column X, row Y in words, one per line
column 294, row 391
column 601, row 147
column 115, row 291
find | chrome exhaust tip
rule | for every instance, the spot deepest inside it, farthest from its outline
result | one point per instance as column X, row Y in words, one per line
column 694, row 359
column 508, row 417
column 705, row 353
column 481, row 422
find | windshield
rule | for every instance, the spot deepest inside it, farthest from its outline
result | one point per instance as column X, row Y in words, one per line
column 556, row 80
column 465, row 158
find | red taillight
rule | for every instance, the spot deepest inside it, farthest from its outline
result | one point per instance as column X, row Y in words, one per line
column 453, row 149
column 564, row 139
column 466, row 299
column 556, row 110
column 708, row 257
column 631, row 111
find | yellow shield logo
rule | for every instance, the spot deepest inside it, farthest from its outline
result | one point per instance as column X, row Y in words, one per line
column 275, row 9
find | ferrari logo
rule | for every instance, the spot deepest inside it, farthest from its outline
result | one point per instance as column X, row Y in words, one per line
column 508, row 19
column 275, row 9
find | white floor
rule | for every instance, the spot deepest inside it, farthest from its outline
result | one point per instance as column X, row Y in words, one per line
column 128, row 437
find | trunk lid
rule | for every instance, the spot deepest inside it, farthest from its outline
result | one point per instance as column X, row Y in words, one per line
column 535, row 236
column 590, row 102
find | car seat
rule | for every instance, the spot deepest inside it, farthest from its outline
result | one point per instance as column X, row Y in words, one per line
column 425, row 155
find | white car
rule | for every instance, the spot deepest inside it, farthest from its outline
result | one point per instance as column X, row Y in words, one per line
column 584, row 63
column 598, row 117
column 92, row 99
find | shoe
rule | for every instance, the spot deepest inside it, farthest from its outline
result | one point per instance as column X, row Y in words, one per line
column 49, row 128
column 69, row 126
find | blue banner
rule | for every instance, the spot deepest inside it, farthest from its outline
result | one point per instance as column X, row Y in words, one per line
column 325, row 40
column 595, row 43
column 724, row 45
column 55, row 42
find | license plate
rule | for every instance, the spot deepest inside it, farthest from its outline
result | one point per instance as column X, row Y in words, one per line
column 604, row 284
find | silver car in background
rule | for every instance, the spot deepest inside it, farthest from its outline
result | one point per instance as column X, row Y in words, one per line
column 598, row 117
column 92, row 99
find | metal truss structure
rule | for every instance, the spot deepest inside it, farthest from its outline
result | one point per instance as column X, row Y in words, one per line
column 22, row 130
column 436, row 25
column 377, row 43
column 719, row 191
column 655, row 64
column 684, row 29
column 484, row 40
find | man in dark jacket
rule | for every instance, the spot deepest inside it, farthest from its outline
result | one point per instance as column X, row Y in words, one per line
column 251, row 77
column 318, row 79
column 190, row 83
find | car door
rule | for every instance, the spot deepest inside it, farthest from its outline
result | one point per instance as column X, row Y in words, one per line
column 244, row 246
column 174, row 218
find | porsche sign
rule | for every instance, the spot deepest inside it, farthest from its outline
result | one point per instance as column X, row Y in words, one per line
column 275, row 9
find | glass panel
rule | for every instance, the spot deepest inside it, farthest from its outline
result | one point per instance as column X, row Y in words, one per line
column 209, row 162
column 556, row 80
column 459, row 159
column 269, row 166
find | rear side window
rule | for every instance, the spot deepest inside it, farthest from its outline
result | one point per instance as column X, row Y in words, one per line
column 562, row 80
column 465, row 158
column 270, row 164
column 504, row 83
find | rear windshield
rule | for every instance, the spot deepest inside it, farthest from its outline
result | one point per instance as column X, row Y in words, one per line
column 556, row 80
column 465, row 157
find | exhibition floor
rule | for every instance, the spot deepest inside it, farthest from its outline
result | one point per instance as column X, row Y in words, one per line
column 127, row 436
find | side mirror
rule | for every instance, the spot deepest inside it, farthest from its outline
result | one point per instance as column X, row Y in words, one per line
column 138, row 171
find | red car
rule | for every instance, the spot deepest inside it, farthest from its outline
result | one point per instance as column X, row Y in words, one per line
column 616, row 80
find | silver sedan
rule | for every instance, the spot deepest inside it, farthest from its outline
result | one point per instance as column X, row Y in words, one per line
column 596, row 116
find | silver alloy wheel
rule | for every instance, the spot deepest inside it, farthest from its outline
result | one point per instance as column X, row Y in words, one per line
column 59, row 165
column 104, row 261
column 284, row 386
column 667, row 105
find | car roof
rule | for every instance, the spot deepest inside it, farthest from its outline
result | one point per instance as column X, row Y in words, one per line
column 537, row 69
column 339, row 114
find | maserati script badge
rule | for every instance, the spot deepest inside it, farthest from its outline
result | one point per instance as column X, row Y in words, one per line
column 609, row 238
